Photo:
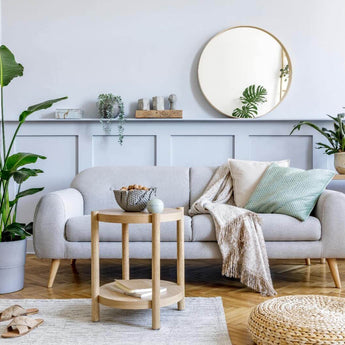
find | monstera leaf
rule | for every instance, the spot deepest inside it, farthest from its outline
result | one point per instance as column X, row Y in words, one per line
column 253, row 94
column 9, row 68
column 247, row 111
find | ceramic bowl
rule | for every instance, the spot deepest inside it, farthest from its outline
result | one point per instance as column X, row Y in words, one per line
column 134, row 200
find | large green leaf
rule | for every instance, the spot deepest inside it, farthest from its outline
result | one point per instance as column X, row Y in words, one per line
column 9, row 68
column 37, row 107
column 253, row 94
column 23, row 174
column 19, row 159
column 247, row 111
column 27, row 192
column 15, row 231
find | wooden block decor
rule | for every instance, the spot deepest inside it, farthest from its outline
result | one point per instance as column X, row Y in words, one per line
column 158, row 114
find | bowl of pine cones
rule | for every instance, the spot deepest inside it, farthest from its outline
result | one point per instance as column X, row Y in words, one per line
column 134, row 198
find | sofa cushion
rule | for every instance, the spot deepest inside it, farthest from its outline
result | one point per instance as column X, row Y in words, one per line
column 289, row 191
column 246, row 175
column 97, row 184
column 78, row 230
column 275, row 227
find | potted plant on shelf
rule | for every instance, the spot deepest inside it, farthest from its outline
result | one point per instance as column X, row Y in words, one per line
column 111, row 107
column 335, row 140
column 13, row 174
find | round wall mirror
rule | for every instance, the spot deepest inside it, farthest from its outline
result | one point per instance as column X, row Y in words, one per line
column 244, row 72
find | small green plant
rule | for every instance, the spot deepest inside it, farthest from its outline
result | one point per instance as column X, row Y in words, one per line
column 12, row 171
column 251, row 97
column 335, row 137
column 110, row 107
column 284, row 72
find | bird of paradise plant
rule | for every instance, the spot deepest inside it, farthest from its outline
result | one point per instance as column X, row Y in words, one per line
column 12, row 165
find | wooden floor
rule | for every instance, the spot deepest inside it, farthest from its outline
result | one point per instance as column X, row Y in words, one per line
column 203, row 279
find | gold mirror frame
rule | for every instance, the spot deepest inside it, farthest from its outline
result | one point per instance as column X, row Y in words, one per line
column 283, row 50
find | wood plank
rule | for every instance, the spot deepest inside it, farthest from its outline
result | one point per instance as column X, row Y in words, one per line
column 148, row 114
column 339, row 177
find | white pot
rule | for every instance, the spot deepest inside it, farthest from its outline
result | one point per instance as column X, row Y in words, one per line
column 12, row 262
column 339, row 162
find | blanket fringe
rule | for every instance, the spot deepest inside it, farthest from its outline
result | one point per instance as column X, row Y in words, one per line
column 249, row 279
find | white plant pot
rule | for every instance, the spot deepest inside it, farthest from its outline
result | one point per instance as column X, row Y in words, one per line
column 12, row 263
column 339, row 162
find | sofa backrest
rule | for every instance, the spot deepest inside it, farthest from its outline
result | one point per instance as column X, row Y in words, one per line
column 97, row 184
column 199, row 178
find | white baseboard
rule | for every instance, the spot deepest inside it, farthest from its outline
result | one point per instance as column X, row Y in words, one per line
column 30, row 246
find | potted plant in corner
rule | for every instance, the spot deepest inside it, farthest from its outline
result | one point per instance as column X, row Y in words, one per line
column 335, row 140
column 12, row 175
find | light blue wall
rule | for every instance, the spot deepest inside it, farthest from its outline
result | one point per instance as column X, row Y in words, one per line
column 141, row 48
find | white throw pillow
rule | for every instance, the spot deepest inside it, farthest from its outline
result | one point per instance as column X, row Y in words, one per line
column 245, row 177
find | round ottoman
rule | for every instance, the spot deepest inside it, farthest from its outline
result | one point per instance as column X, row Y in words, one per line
column 299, row 320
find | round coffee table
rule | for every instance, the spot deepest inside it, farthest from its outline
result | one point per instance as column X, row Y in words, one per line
column 106, row 294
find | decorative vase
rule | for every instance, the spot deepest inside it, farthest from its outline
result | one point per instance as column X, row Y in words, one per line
column 339, row 162
column 12, row 263
column 155, row 205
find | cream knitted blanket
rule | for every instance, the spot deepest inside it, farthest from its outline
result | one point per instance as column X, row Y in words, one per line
column 238, row 232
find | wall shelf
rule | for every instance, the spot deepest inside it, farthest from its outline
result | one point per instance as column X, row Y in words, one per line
column 184, row 120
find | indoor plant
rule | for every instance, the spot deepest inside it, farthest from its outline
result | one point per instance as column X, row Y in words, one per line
column 251, row 97
column 335, row 140
column 12, row 175
column 110, row 107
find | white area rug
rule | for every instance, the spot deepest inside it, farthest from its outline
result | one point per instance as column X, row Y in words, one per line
column 68, row 321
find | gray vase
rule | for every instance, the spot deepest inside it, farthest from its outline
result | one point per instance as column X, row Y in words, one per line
column 12, row 263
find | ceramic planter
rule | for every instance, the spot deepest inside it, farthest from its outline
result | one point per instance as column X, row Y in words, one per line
column 12, row 263
column 339, row 162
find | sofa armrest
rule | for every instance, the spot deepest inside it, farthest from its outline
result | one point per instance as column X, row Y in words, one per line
column 330, row 210
column 52, row 212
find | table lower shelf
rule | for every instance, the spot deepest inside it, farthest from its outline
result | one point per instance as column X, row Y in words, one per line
column 111, row 298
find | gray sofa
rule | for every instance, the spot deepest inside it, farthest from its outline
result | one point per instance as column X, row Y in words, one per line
column 62, row 220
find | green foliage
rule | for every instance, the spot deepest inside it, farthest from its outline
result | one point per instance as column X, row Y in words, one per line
column 106, row 103
column 251, row 97
column 285, row 72
column 335, row 138
column 246, row 111
column 9, row 68
column 12, row 170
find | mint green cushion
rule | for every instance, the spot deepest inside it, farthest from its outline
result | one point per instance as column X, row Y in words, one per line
column 289, row 191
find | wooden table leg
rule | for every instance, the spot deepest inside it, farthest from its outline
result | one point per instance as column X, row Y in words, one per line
column 156, row 271
column 125, row 252
column 95, row 265
column 180, row 258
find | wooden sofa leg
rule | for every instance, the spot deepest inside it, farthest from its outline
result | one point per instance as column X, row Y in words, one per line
column 333, row 266
column 54, row 266
column 73, row 261
column 322, row 261
column 308, row 262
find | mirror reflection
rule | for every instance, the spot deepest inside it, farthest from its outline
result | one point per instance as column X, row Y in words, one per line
column 244, row 72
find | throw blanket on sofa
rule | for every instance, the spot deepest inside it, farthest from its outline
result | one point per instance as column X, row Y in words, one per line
column 238, row 232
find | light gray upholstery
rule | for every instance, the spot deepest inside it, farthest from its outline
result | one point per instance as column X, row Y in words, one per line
column 199, row 178
column 62, row 229
column 330, row 209
column 51, row 215
column 97, row 185
column 276, row 227
column 78, row 230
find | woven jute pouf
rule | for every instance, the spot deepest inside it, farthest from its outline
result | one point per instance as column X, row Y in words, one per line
column 299, row 320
